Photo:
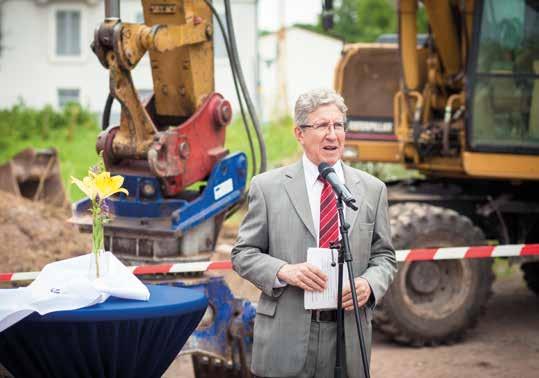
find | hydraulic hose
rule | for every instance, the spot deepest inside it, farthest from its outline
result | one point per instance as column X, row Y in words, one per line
column 245, row 91
column 238, row 78
column 236, row 85
column 105, row 119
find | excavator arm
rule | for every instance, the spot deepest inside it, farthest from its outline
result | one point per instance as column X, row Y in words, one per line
column 172, row 141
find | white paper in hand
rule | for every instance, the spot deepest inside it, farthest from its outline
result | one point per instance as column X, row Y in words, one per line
column 66, row 285
column 327, row 299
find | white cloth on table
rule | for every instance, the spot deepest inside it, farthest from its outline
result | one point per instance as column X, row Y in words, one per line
column 68, row 285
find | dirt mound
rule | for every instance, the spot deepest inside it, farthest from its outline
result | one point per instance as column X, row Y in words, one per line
column 33, row 234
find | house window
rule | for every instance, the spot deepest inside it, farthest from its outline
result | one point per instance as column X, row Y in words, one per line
column 65, row 96
column 68, row 33
column 139, row 18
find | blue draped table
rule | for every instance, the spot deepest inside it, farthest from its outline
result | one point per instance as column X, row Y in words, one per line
column 118, row 338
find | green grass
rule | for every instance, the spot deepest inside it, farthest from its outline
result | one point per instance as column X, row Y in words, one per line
column 388, row 171
column 502, row 268
column 281, row 146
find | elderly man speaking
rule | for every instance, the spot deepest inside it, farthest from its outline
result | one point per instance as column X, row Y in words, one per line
column 292, row 209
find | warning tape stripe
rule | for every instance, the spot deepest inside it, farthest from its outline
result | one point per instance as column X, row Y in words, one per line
column 476, row 252
column 506, row 250
column 479, row 252
column 155, row 269
column 419, row 254
column 220, row 265
column 402, row 254
column 530, row 249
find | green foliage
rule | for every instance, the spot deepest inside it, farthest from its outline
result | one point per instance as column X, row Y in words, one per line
column 263, row 33
column 375, row 17
column 387, row 172
column 366, row 20
column 281, row 146
column 422, row 20
column 24, row 123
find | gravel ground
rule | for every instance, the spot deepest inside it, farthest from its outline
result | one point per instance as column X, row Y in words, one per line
column 504, row 344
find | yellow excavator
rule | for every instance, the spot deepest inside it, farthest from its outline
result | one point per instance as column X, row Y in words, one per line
column 462, row 108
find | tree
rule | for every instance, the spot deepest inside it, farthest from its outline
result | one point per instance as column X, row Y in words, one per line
column 366, row 20
column 375, row 17
column 346, row 21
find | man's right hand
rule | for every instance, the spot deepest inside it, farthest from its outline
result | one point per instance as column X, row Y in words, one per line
column 303, row 275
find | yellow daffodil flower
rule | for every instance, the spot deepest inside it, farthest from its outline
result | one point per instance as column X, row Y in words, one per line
column 87, row 186
column 106, row 186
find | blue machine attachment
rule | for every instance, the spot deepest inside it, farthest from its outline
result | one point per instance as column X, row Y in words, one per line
column 148, row 227
column 221, row 346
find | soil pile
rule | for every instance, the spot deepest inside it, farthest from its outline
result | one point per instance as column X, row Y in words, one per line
column 33, row 234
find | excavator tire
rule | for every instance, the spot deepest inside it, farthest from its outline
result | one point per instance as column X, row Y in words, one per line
column 433, row 302
column 531, row 275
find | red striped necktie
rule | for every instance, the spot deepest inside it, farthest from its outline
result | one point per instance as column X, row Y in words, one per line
column 329, row 221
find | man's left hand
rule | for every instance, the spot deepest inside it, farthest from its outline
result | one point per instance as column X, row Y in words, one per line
column 363, row 292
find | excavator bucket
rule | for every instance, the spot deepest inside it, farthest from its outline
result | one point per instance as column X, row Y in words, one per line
column 34, row 174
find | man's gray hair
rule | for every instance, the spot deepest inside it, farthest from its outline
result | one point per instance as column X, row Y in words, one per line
column 310, row 101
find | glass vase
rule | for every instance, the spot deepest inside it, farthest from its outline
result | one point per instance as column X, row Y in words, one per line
column 98, row 261
column 98, row 265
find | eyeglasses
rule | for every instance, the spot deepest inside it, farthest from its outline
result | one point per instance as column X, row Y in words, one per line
column 323, row 127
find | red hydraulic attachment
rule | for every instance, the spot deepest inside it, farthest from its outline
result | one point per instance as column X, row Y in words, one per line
column 184, row 154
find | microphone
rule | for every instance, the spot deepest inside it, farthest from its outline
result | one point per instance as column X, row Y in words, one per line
column 339, row 188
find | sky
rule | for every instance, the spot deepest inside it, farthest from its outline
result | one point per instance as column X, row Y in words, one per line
column 296, row 11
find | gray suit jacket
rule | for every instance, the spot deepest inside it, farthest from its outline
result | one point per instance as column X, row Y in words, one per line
column 278, row 229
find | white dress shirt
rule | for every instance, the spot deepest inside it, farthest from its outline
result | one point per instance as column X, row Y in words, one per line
column 314, row 191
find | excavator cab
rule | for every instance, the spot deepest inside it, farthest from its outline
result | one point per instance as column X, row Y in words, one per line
column 466, row 97
column 504, row 78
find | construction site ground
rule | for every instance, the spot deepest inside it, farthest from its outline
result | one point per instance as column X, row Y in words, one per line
column 504, row 344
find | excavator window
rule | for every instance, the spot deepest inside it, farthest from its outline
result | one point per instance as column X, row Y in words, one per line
column 505, row 77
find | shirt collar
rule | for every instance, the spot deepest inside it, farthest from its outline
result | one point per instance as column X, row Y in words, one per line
column 311, row 171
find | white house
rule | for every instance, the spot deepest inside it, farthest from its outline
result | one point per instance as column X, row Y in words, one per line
column 45, row 55
column 308, row 60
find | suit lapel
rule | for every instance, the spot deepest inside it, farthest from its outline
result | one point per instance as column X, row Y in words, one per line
column 354, row 184
column 297, row 192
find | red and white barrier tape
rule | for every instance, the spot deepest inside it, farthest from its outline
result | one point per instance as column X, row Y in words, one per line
column 420, row 254
column 191, row 267
column 478, row 252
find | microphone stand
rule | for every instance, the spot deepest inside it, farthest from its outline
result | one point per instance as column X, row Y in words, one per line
column 346, row 256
